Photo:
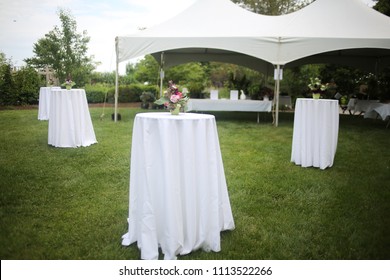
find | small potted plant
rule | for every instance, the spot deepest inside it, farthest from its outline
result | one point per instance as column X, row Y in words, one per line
column 147, row 98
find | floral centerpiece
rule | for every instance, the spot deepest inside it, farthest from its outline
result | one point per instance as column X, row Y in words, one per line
column 173, row 99
column 68, row 83
column 316, row 87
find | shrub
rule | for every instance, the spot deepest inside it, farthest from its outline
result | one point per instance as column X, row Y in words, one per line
column 27, row 84
column 6, row 85
column 20, row 88
column 130, row 93
column 96, row 93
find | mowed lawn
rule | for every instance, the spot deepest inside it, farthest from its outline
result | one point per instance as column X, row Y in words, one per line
column 64, row 203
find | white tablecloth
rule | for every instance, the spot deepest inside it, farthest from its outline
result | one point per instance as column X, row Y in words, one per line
column 178, row 194
column 358, row 105
column 316, row 127
column 44, row 103
column 229, row 105
column 375, row 109
column 70, row 123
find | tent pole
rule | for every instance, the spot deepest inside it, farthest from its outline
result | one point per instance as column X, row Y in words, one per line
column 277, row 95
column 161, row 72
column 116, row 81
column 161, row 80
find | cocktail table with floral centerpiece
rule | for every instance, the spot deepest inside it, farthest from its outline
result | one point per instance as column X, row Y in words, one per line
column 44, row 102
column 315, row 135
column 178, row 194
column 70, row 123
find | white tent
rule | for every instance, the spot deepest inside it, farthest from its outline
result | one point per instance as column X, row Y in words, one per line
column 222, row 31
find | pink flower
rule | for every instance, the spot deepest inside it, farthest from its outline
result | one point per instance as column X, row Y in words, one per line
column 175, row 98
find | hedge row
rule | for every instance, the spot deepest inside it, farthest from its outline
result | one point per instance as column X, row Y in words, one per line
column 131, row 93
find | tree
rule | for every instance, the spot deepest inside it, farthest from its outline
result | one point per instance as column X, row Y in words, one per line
column 191, row 75
column 6, row 83
column 145, row 71
column 272, row 7
column 65, row 51
column 382, row 6
column 27, row 82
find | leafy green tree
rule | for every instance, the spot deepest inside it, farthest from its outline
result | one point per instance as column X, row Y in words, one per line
column 272, row 7
column 6, row 84
column 27, row 82
column 191, row 75
column 145, row 71
column 383, row 6
column 65, row 51
column 346, row 78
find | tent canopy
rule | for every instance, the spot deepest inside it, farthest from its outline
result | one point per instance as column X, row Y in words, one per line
column 324, row 31
column 222, row 31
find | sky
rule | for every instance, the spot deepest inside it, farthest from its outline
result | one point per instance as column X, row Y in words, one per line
column 24, row 22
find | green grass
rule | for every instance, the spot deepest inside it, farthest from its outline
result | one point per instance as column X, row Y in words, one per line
column 72, row 203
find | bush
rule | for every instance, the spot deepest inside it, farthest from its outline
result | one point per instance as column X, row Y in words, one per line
column 96, row 93
column 6, row 85
column 130, row 93
column 20, row 88
column 27, row 84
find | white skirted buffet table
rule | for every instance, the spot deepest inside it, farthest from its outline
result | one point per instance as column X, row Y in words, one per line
column 70, row 123
column 44, row 103
column 178, row 194
column 315, row 135
column 229, row 105
column 377, row 109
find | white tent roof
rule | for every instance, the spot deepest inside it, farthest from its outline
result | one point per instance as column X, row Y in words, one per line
column 326, row 30
column 222, row 31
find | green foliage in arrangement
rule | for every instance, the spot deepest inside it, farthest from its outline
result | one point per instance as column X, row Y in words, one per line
column 59, row 203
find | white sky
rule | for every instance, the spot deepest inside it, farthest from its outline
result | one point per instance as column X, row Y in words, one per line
column 23, row 22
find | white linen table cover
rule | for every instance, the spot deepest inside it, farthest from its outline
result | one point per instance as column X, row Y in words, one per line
column 316, row 127
column 229, row 105
column 381, row 109
column 70, row 123
column 362, row 105
column 358, row 105
column 178, row 193
column 44, row 103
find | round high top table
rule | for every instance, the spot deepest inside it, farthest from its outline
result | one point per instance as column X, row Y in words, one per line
column 178, row 194
column 70, row 124
column 44, row 103
column 316, row 128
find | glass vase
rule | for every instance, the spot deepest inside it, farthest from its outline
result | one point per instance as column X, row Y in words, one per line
column 316, row 96
column 175, row 111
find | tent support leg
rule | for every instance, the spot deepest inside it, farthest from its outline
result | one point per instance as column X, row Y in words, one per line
column 116, row 94
column 116, row 80
column 277, row 95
